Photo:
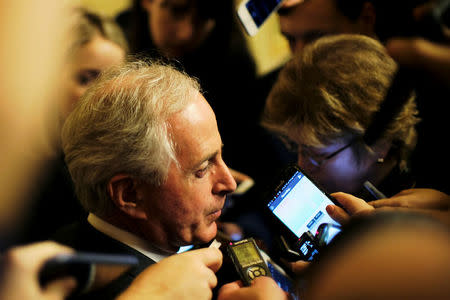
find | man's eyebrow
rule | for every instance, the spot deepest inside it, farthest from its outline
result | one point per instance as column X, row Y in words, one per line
column 206, row 158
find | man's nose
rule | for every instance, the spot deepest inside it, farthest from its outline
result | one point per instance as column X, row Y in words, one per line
column 225, row 182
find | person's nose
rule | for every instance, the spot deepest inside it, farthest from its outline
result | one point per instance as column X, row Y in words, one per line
column 185, row 30
column 225, row 183
column 305, row 164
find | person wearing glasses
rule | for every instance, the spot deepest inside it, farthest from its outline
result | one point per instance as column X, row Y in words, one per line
column 322, row 104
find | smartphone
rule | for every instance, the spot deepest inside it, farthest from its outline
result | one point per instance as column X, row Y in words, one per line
column 326, row 233
column 248, row 260
column 84, row 266
column 253, row 13
column 297, row 205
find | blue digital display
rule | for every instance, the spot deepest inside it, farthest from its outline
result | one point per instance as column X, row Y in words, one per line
column 300, row 205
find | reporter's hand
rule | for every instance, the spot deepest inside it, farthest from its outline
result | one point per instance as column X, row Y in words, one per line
column 20, row 268
column 352, row 206
column 416, row 198
column 297, row 267
column 262, row 288
column 189, row 275
column 426, row 201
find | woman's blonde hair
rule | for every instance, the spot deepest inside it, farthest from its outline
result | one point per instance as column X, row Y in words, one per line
column 332, row 89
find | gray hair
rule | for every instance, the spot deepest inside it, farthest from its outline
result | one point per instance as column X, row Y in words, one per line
column 120, row 127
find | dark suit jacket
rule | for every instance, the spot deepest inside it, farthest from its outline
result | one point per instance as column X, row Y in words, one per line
column 83, row 237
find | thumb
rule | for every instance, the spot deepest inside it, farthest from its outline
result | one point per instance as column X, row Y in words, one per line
column 351, row 204
column 211, row 257
column 60, row 289
column 338, row 214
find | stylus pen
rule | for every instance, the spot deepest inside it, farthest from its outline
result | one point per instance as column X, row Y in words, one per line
column 374, row 191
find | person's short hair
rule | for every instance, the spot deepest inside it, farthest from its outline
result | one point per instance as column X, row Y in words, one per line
column 119, row 126
column 89, row 24
column 331, row 90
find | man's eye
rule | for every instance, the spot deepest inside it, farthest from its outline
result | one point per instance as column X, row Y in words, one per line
column 202, row 172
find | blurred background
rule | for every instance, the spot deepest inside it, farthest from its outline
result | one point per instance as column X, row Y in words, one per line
column 268, row 47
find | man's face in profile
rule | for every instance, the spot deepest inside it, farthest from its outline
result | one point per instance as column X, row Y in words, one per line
column 184, row 209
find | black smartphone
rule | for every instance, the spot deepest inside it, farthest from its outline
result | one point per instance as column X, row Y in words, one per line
column 298, row 206
column 253, row 13
column 83, row 266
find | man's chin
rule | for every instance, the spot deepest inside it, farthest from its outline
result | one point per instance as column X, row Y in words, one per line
column 208, row 234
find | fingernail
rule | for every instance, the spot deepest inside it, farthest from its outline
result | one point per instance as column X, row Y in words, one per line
column 329, row 209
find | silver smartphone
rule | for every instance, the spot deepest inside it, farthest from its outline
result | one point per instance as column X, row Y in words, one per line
column 253, row 13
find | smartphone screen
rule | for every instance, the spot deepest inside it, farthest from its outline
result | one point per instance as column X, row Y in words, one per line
column 185, row 248
column 260, row 10
column 253, row 13
column 300, row 205
column 326, row 233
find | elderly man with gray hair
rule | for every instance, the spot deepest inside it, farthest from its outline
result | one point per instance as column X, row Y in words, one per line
column 144, row 152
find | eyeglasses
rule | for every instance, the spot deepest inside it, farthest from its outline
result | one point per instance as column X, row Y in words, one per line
column 317, row 162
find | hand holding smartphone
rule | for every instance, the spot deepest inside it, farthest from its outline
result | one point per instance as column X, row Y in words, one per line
column 298, row 207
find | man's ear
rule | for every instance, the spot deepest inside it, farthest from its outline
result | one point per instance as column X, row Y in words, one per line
column 122, row 190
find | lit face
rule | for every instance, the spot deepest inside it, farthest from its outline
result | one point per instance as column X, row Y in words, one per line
column 86, row 65
column 175, row 26
column 341, row 171
column 185, row 208
column 312, row 19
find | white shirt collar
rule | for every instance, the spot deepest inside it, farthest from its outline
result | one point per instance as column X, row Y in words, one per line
column 125, row 237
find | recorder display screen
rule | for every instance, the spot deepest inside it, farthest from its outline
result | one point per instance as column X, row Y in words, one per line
column 300, row 205
column 246, row 254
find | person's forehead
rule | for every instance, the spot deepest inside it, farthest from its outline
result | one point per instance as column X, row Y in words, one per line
column 194, row 132
column 98, row 53
column 312, row 13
